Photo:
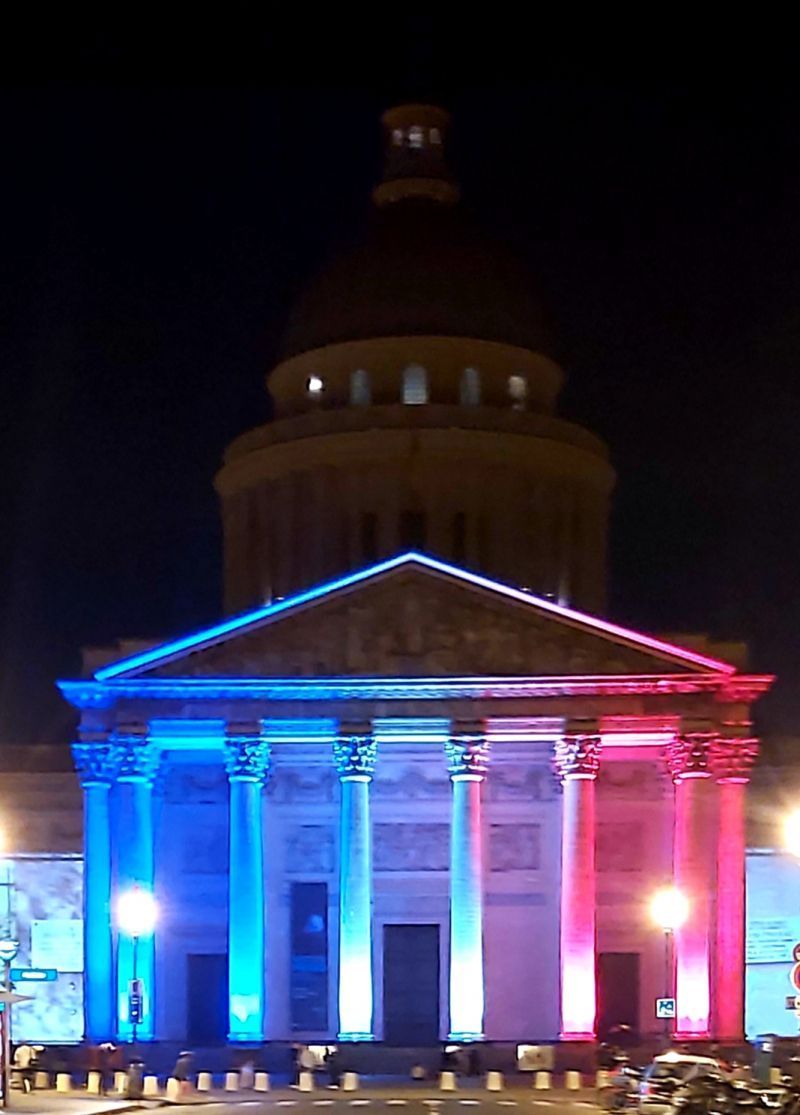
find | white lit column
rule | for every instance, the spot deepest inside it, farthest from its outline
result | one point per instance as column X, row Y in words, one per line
column 138, row 760
column 694, row 855
column 247, row 764
column 354, row 754
column 467, row 755
column 93, row 761
column 731, row 760
column 577, row 758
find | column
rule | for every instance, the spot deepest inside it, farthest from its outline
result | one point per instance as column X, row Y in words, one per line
column 137, row 760
column 731, row 760
column 694, row 854
column 93, row 761
column 354, row 752
column 247, row 763
column 468, row 759
column 577, row 759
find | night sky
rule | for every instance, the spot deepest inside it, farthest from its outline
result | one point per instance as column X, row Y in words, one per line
column 164, row 200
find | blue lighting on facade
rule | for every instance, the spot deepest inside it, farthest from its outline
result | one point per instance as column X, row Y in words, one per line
column 241, row 623
column 135, row 868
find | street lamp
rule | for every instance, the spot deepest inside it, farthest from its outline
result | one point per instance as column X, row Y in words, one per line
column 8, row 951
column 669, row 909
column 136, row 916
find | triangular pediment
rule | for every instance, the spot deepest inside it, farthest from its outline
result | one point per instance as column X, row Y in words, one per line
column 413, row 617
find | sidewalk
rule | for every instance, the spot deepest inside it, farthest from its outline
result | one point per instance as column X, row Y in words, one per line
column 48, row 1102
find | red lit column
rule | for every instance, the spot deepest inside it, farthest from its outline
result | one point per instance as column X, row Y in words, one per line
column 576, row 762
column 694, row 854
column 731, row 760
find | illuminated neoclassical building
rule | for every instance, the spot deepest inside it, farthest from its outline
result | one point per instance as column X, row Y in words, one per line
column 415, row 788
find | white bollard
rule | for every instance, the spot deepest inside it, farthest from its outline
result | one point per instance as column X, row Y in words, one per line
column 63, row 1082
column 42, row 1080
column 173, row 1088
column 93, row 1082
column 349, row 1081
column 120, row 1083
column 775, row 1076
column 262, row 1082
column 231, row 1082
column 447, row 1082
column 572, row 1080
column 603, row 1078
column 305, row 1082
column 494, row 1082
column 542, row 1081
column 204, row 1081
column 150, row 1086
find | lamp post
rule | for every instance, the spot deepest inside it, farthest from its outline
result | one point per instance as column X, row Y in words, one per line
column 8, row 951
column 669, row 909
column 136, row 917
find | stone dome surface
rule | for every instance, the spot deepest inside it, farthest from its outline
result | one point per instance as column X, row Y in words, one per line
column 420, row 268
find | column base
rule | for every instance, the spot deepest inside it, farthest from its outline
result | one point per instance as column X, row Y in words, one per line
column 576, row 1035
column 352, row 1035
column 464, row 1035
column 238, row 1036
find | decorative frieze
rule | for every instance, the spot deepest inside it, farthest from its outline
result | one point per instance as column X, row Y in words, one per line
column 415, row 846
column 732, row 759
column 247, row 753
column 515, row 847
column 355, row 751
column 577, row 756
column 467, row 749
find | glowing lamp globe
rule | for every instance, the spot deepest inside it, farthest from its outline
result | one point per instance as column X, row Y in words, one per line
column 669, row 908
column 791, row 832
column 136, row 912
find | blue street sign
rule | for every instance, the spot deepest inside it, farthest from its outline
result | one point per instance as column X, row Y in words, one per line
column 665, row 1008
column 33, row 975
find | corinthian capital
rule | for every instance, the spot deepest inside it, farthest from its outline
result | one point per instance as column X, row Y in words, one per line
column 467, row 749
column 732, row 758
column 577, row 755
column 688, row 755
column 355, row 751
column 94, row 759
column 136, row 757
column 247, row 753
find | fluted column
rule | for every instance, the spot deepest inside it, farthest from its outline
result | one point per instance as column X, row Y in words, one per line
column 468, row 757
column 354, row 752
column 731, row 760
column 137, row 759
column 247, row 763
column 96, row 769
column 694, row 854
column 577, row 759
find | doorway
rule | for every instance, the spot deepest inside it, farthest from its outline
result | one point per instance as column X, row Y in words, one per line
column 207, row 999
column 618, row 996
column 411, row 984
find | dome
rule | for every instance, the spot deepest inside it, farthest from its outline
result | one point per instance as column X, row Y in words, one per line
column 422, row 266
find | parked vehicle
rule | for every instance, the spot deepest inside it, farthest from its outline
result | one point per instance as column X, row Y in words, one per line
column 666, row 1074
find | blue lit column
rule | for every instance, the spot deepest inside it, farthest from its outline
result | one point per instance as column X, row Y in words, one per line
column 354, row 754
column 138, row 761
column 468, row 755
column 93, row 761
column 247, row 763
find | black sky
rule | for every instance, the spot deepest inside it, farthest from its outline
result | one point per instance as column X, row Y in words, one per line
column 164, row 198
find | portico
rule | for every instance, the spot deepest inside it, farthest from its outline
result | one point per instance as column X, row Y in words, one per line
column 289, row 812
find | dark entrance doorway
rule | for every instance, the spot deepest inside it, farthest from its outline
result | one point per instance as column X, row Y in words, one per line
column 207, row 999
column 411, row 984
column 618, row 996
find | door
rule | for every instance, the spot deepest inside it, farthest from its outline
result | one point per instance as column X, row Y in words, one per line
column 618, row 996
column 411, row 984
column 207, row 999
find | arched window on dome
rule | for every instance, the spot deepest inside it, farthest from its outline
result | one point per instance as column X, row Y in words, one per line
column 470, row 389
column 360, row 390
column 518, row 391
column 397, row 137
column 415, row 385
column 416, row 136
